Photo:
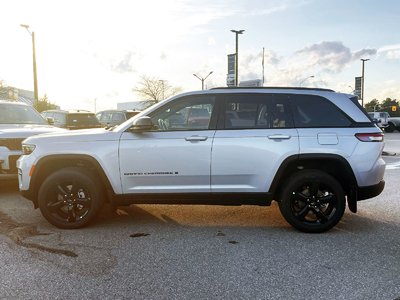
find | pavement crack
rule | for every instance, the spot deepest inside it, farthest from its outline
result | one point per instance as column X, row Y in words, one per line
column 139, row 234
column 19, row 232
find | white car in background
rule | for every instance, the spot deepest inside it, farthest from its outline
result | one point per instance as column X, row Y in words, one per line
column 17, row 122
column 380, row 118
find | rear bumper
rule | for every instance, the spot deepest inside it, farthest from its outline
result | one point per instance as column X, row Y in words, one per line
column 367, row 192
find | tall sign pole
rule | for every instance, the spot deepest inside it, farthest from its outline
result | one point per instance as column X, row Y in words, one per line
column 362, row 81
column 237, row 32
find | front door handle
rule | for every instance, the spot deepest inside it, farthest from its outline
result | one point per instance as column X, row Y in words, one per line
column 279, row 137
column 196, row 138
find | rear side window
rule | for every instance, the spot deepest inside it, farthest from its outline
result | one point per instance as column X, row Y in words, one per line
column 258, row 111
column 314, row 111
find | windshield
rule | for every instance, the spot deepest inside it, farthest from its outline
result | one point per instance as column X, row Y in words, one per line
column 20, row 114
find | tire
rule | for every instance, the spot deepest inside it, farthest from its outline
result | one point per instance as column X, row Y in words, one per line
column 70, row 198
column 390, row 128
column 312, row 201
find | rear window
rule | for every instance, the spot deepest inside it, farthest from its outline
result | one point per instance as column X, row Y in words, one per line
column 82, row 119
column 314, row 111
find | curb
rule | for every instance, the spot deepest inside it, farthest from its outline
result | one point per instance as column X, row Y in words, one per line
column 385, row 153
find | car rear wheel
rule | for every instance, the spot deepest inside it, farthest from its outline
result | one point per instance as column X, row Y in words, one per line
column 312, row 201
column 70, row 198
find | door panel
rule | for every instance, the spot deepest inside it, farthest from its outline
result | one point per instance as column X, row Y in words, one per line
column 247, row 160
column 255, row 135
column 166, row 162
column 175, row 157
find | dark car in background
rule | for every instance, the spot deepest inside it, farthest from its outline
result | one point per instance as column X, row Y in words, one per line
column 114, row 117
column 72, row 119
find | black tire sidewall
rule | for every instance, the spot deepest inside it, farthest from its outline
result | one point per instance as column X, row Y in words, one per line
column 87, row 180
column 308, row 176
column 390, row 128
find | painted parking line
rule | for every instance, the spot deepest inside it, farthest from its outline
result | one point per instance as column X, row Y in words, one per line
column 393, row 166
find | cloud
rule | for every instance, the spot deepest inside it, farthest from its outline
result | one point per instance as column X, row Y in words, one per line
column 124, row 65
column 330, row 56
column 390, row 51
column 364, row 53
column 163, row 56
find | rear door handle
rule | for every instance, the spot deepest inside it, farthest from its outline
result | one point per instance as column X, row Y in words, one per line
column 279, row 137
column 196, row 138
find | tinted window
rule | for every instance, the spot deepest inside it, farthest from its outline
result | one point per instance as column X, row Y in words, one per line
column 192, row 113
column 82, row 119
column 257, row 111
column 20, row 114
column 315, row 111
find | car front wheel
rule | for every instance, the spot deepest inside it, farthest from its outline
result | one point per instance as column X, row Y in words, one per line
column 70, row 198
column 312, row 201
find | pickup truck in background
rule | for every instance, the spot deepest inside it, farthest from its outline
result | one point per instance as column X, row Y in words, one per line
column 380, row 119
column 393, row 123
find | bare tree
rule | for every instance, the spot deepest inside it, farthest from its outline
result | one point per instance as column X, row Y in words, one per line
column 153, row 90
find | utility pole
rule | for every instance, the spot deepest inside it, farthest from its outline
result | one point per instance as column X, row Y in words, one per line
column 163, row 88
column 362, row 80
column 237, row 32
column 263, row 65
column 35, row 84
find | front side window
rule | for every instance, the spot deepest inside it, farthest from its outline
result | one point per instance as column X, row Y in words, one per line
column 191, row 113
column 258, row 111
column 315, row 111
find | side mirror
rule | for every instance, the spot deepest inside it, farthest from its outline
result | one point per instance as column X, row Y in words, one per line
column 142, row 124
column 50, row 120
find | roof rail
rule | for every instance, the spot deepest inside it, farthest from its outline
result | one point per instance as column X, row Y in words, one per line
column 271, row 88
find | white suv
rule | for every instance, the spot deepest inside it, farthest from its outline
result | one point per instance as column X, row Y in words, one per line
column 308, row 149
column 17, row 122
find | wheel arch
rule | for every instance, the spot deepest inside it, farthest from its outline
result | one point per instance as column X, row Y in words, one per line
column 49, row 164
column 333, row 164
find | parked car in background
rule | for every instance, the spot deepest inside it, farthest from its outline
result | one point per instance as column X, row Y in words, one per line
column 393, row 123
column 73, row 119
column 380, row 118
column 17, row 122
column 112, row 117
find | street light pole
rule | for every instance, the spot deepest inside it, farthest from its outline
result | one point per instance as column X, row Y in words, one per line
column 237, row 32
column 301, row 82
column 35, row 83
column 362, row 80
column 202, row 79
column 163, row 88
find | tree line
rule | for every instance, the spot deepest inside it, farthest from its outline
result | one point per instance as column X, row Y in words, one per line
column 389, row 105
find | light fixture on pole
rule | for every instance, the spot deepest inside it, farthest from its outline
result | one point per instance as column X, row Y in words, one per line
column 202, row 79
column 237, row 32
column 35, row 84
column 362, row 80
column 301, row 82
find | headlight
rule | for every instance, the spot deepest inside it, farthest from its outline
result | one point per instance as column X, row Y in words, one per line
column 27, row 149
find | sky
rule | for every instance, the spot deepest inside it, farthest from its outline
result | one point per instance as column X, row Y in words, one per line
column 92, row 54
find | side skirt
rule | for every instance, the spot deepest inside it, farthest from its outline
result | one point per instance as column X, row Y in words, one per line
column 262, row 199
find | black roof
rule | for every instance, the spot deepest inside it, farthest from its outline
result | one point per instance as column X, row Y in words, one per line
column 271, row 88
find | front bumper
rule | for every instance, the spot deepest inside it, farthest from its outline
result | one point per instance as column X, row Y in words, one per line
column 367, row 192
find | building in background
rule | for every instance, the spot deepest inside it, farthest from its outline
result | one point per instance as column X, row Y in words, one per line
column 15, row 94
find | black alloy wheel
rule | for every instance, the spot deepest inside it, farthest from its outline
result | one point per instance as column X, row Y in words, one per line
column 313, row 201
column 70, row 198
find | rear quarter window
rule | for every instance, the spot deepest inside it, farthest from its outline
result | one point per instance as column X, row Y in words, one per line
column 314, row 111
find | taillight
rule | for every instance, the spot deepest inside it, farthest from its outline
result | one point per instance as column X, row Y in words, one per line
column 370, row 137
